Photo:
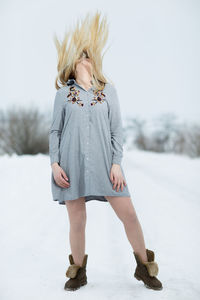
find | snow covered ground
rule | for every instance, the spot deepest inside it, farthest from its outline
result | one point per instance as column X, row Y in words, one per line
column 34, row 242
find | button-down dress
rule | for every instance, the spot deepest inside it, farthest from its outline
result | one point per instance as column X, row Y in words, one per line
column 86, row 138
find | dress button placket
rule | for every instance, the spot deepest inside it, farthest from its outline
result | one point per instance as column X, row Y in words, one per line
column 87, row 139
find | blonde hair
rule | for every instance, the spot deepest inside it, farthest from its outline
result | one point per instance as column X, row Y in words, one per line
column 89, row 39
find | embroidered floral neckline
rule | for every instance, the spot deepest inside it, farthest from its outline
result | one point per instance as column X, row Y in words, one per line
column 73, row 95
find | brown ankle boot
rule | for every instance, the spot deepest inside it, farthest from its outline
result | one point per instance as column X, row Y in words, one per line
column 146, row 271
column 76, row 273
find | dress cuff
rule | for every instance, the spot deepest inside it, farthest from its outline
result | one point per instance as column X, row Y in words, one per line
column 54, row 158
column 117, row 160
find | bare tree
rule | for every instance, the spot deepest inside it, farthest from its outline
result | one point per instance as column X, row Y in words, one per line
column 23, row 131
column 165, row 134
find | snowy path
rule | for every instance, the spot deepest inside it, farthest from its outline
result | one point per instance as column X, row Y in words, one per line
column 34, row 232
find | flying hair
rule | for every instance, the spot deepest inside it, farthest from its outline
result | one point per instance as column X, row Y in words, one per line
column 87, row 39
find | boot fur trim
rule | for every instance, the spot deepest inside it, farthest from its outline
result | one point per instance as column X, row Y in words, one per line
column 84, row 263
column 150, row 255
column 72, row 271
column 152, row 268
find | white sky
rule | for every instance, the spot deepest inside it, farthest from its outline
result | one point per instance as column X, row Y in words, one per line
column 154, row 54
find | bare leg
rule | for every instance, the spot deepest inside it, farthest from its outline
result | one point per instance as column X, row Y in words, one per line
column 124, row 209
column 77, row 218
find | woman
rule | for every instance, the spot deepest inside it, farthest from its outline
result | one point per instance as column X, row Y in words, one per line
column 86, row 149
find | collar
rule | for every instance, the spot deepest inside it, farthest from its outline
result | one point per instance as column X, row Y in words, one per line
column 72, row 81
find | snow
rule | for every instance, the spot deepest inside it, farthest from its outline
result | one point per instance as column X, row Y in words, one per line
column 34, row 229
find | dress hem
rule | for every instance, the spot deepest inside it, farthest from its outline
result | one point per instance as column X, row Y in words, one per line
column 89, row 198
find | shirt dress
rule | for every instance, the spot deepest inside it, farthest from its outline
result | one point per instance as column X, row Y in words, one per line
column 86, row 138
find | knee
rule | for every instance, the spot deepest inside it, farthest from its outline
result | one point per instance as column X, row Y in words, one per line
column 130, row 218
column 78, row 221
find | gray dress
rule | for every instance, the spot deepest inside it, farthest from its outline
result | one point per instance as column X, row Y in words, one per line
column 86, row 138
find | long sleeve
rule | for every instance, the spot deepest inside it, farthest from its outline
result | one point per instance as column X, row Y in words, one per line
column 116, row 127
column 56, row 128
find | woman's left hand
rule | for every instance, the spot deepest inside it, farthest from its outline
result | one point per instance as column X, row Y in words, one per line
column 116, row 177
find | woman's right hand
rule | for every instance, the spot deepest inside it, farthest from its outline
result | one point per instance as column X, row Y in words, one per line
column 60, row 176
